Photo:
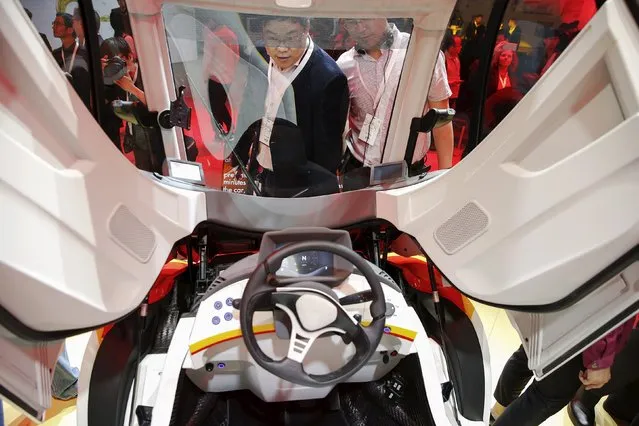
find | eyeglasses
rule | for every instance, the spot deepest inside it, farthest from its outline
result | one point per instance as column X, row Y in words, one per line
column 58, row 23
column 292, row 41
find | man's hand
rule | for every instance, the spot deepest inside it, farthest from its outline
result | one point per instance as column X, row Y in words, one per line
column 595, row 379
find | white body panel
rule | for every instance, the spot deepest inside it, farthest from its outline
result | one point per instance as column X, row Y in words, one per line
column 84, row 233
column 549, row 199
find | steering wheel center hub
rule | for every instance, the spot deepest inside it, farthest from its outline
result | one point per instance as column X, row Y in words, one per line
column 315, row 312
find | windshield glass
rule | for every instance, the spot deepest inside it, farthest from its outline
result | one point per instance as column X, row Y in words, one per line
column 287, row 106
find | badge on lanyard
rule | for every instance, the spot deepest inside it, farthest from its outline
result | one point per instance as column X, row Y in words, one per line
column 370, row 129
column 266, row 130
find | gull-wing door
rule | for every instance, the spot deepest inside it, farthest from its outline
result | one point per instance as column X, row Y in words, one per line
column 83, row 233
column 542, row 217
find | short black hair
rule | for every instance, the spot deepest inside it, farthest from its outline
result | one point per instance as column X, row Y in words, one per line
column 114, row 46
column 449, row 40
column 68, row 19
column 303, row 21
column 77, row 15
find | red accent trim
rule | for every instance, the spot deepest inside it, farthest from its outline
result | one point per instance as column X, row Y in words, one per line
column 401, row 336
column 415, row 272
column 165, row 281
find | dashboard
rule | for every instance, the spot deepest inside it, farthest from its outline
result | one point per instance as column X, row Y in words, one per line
column 218, row 360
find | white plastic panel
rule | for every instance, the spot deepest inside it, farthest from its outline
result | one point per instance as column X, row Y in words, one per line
column 556, row 182
column 84, row 233
column 548, row 200
column 548, row 336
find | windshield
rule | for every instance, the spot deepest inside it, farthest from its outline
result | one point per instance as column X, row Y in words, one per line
column 288, row 106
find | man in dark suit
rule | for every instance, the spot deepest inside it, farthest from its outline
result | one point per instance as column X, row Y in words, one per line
column 119, row 19
column 299, row 142
column 513, row 32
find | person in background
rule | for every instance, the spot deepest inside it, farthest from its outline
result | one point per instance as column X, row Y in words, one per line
column 119, row 19
column 307, row 98
column 473, row 37
column 373, row 67
column 622, row 404
column 146, row 143
column 613, row 356
column 476, row 29
column 44, row 37
column 71, row 57
column 65, row 55
column 503, row 69
column 512, row 34
column 452, row 47
column 78, row 27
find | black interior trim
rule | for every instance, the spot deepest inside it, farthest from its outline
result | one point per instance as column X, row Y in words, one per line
column 87, row 13
column 23, row 331
column 633, row 5
column 601, row 331
column 492, row 31
column 463, row 353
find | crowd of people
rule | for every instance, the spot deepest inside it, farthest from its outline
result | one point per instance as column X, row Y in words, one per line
column 336, row 103
column 339, row 99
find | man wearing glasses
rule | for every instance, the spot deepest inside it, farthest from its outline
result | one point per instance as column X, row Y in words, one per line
column 373, row 68
column 300, row 135
column 72, row 57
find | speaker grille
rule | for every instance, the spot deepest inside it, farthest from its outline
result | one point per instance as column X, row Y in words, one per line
column 130, row 233
column 461, row 228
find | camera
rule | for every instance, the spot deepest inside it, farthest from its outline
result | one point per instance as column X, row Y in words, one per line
column 114, row 70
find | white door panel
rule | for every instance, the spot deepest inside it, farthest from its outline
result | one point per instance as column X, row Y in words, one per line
column 549, row 198
column 551, row 339
column 74, row 251
column 543, row 216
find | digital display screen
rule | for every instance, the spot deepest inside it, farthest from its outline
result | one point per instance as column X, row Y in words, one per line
column 387, row 172
column 186, row 171
column 311, row 263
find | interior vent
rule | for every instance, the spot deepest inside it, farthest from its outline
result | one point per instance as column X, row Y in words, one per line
column 462, row 228
column 131, row 234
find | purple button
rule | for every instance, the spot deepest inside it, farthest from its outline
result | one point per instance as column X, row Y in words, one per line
column 216, row 320
column 221, row 365
column 229, row 301
column 387, row 330
column 218, row 305
column 228, row 316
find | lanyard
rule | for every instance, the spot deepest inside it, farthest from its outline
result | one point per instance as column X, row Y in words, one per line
column 503, row 82
column 64, row 61
column 383, row 97
column 395, row 56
